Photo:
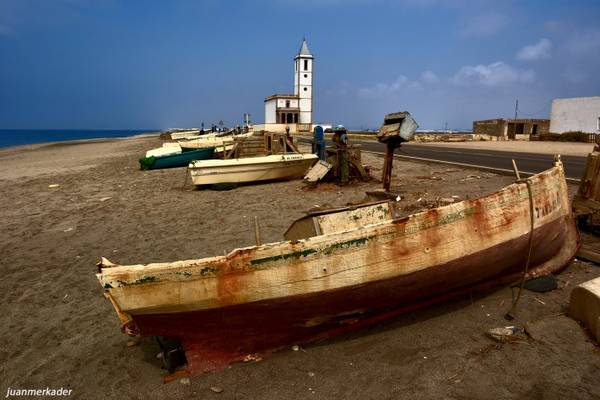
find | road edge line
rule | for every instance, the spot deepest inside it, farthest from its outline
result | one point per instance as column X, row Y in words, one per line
column 502, row 171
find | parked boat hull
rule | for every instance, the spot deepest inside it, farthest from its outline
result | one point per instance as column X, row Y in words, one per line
column 257, row 299
column 211, row 141
column 242, row 170
column 176, row 160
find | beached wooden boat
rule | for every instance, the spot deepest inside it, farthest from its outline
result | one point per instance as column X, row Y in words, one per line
column 211, row 141
column 189, row 134
column 257, row 299
column 180, row 159
column 251, row 169
column 166, row 149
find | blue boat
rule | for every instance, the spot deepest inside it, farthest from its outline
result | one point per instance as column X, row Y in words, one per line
column 176, row 160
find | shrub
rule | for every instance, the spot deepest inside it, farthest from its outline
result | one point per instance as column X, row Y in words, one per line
column 577, row 136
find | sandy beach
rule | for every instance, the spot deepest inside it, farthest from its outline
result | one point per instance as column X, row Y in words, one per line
column 59, row 331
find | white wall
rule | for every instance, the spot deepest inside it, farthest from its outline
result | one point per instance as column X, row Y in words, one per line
column 293, row 103
column 279, row 128
column 576, row 114
column 305, row 80
column 270, row 113
column 305, row 111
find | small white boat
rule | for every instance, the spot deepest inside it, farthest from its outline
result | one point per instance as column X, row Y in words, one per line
column 172, row 148
column 211, row 141
column 251, row 169
column 185, row 134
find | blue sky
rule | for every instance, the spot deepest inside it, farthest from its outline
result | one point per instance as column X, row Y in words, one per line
column 110, row 64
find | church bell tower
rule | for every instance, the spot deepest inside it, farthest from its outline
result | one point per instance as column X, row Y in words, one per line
column 303, row 82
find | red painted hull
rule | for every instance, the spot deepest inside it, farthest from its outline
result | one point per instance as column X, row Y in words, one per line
column 214, row 338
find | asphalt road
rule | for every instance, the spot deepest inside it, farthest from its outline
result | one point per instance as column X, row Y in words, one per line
column 527, row 162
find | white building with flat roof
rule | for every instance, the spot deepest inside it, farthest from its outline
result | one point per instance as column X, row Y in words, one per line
column 578, row 114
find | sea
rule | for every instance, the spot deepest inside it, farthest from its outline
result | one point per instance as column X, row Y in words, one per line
column 17, row 137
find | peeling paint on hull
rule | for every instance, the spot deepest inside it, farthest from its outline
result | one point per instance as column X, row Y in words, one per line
column 257, row 299
column 215, row 338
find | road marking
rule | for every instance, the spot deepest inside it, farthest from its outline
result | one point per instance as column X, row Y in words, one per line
column 481, row 167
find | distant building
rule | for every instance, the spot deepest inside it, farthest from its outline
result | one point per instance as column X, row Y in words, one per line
column 579, row 114
column 514, row 129
column 294, row 110
column 282, row 109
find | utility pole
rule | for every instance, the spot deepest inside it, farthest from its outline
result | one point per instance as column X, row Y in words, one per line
column 516, row 109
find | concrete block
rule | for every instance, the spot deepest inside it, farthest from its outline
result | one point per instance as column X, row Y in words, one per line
column 585, row 305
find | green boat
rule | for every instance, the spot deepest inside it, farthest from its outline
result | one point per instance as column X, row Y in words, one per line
column 176, row 160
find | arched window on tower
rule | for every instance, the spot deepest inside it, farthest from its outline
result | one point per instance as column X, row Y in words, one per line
column 306, row 65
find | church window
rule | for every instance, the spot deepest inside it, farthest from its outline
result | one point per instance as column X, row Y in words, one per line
column 306, row 75
column 305, row 89
column 306, row 65
column 287, row 104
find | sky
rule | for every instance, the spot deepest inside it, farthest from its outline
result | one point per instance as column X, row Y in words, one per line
column 117, row 64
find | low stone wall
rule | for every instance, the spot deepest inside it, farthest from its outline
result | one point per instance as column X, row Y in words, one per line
column 442, row 137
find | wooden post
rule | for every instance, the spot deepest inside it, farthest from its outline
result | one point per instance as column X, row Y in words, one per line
column 516, row 170
column 344, row 167
column 390, row 146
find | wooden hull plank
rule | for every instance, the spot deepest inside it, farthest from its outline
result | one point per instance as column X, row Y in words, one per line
column 215, row 338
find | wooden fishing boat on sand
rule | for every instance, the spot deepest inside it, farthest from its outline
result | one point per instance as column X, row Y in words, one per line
column 260, row 298
column 251, row 169
column 211, row 141
column 176, row 159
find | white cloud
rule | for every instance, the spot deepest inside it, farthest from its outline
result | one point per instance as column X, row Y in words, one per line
column 485, row 25
column 401, row 83
column 536, row 51
column 381, row 89
column 496, row 74
column 429, row 77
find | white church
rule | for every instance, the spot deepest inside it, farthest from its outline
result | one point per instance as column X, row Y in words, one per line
column 293, row 110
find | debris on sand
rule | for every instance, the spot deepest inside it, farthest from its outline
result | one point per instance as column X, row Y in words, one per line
column 508, row 334
column 216, row 389
column 541, row 284
column 252, row 357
